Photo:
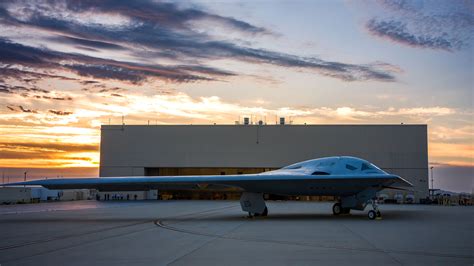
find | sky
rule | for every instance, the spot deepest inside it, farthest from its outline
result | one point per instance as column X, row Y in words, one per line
column 67, row 67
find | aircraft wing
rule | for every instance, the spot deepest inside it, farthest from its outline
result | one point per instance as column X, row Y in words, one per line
column 264, row 183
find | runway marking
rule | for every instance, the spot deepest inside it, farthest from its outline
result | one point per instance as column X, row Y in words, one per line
column 161, row 224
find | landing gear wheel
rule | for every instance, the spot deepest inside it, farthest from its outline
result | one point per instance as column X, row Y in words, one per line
column 372, row 214
column 336, row 209
column 265, row 212
column 346, row 210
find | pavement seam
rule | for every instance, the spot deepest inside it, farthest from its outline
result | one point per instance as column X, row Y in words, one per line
column 62, row 237
column 377, row 250
column 221, row 236
column 100, row 239
column 371, row 244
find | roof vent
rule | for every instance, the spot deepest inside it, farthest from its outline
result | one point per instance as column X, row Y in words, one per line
column 282, row 120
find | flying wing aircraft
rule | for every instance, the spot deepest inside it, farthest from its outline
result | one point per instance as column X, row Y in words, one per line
column 352, row 180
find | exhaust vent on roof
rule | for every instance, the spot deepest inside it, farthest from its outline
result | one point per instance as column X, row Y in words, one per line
column 282, row 120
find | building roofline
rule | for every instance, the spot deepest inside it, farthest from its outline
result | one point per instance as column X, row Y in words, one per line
column 271, row 125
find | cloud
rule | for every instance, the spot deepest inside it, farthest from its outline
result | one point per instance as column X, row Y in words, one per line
column 164, row 13
column 66, row 98
column 33, row 92
column 25, row 110
column 58, row 112
column 45, row 146
column 88, row 43
column 26, row 76
column 420, row 111
column 151, row 31
column 181, row 107
column 398, row 32
column 59, row 152
column 87, row 66
column 438, row 25
column 457, row 135
column 7, row 88
column 82, row 126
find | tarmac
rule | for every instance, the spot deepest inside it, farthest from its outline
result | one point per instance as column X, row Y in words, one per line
column 218, row 233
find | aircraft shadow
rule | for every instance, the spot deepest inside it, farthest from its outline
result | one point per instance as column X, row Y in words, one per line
column 391, row 215
column 359, row 216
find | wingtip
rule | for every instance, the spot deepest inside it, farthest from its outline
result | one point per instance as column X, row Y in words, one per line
column 403, row 182
column 27, row 183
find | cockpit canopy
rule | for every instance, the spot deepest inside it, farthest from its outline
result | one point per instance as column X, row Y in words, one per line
column 340, row 165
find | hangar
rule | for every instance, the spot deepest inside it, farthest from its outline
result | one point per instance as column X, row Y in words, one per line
column 162, row 150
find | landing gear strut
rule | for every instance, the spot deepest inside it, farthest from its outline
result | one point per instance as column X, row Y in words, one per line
column 253, row 204
column 372, row 214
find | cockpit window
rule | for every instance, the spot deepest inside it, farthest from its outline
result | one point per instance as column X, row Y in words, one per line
column 351, row 167
column 366, row 167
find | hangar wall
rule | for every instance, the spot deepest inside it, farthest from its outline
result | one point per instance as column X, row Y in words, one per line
column 128, row 150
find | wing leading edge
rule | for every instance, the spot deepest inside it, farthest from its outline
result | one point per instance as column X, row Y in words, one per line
column 266, row 183
column 339, row 175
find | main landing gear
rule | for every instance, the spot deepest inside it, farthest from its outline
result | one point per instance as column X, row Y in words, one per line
column 263, row 214
column 338, row 209
column 375, row 213
column 253, row 204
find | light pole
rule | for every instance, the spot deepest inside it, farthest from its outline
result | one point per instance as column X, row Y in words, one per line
column 432, row 180
column 25, row 177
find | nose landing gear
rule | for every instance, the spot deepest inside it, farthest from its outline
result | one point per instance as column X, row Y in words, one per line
column 375, row 213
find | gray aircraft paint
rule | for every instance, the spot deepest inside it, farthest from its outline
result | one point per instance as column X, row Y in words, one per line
column 324, row 176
